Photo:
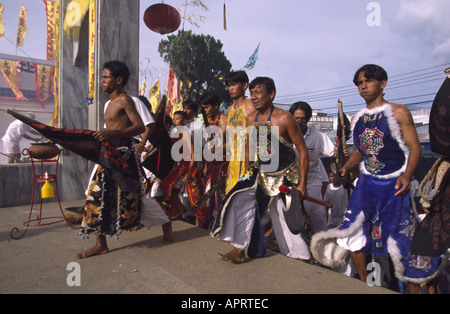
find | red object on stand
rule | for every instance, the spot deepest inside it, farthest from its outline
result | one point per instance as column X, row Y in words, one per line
column 39, row 178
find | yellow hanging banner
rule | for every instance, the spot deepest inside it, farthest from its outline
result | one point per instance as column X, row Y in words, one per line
column 92, row 40
column 43, row 83
column 54, row 122
column 8, row 69
column 52, row 11
column 154, row 96
column 2, row 21
column 22, row 28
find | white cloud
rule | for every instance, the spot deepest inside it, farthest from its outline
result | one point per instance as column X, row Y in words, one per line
column 442, row 51
column 425, row 23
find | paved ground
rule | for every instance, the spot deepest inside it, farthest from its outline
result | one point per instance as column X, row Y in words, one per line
column 140, row 263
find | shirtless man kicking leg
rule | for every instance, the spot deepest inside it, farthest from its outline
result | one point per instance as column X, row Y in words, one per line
column 122, row 122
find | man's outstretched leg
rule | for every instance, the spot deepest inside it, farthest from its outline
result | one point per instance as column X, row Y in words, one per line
column 100, row 247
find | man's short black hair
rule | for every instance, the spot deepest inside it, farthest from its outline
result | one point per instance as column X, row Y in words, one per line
column 236, row 77
column 191, row 104
column 304, row 106
column 118, row 68
column 266, row 81
column 182, row 113
column 371, row 71
column 209, row 98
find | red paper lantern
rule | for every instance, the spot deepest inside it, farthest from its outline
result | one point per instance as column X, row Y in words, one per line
column 162, row 18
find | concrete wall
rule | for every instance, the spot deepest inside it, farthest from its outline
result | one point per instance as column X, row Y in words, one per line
column 117, row 39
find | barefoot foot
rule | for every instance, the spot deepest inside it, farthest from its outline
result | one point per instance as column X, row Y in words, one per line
column 91, row 252
column 235, row 255
column 100, row 247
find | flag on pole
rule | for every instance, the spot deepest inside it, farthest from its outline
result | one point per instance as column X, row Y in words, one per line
column 179, row 104
column 142, row 91
column 154, row 96
column 2, row 21
column 22, row 28
column 251, row 61
column 173, row 88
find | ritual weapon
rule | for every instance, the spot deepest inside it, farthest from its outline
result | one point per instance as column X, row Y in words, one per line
column 287, row 190
column 205, row 197
column 343, row 134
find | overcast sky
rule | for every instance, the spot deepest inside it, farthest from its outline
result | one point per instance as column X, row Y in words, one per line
column 311, row 48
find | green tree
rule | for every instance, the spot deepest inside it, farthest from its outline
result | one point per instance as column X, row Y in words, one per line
column 199, row 62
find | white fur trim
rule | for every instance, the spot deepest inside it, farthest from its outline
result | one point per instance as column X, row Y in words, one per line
column 327, row 251
column 396, row 256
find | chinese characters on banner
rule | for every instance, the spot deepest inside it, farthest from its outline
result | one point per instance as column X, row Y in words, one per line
column 8, row 69
column 22, row 28
column 52, row 10
column 44, row 76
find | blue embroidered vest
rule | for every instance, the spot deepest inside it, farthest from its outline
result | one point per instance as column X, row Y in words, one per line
column 378, row 138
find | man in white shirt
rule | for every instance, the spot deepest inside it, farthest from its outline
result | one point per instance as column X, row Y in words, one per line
column 13, row 135
column 318, row 145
